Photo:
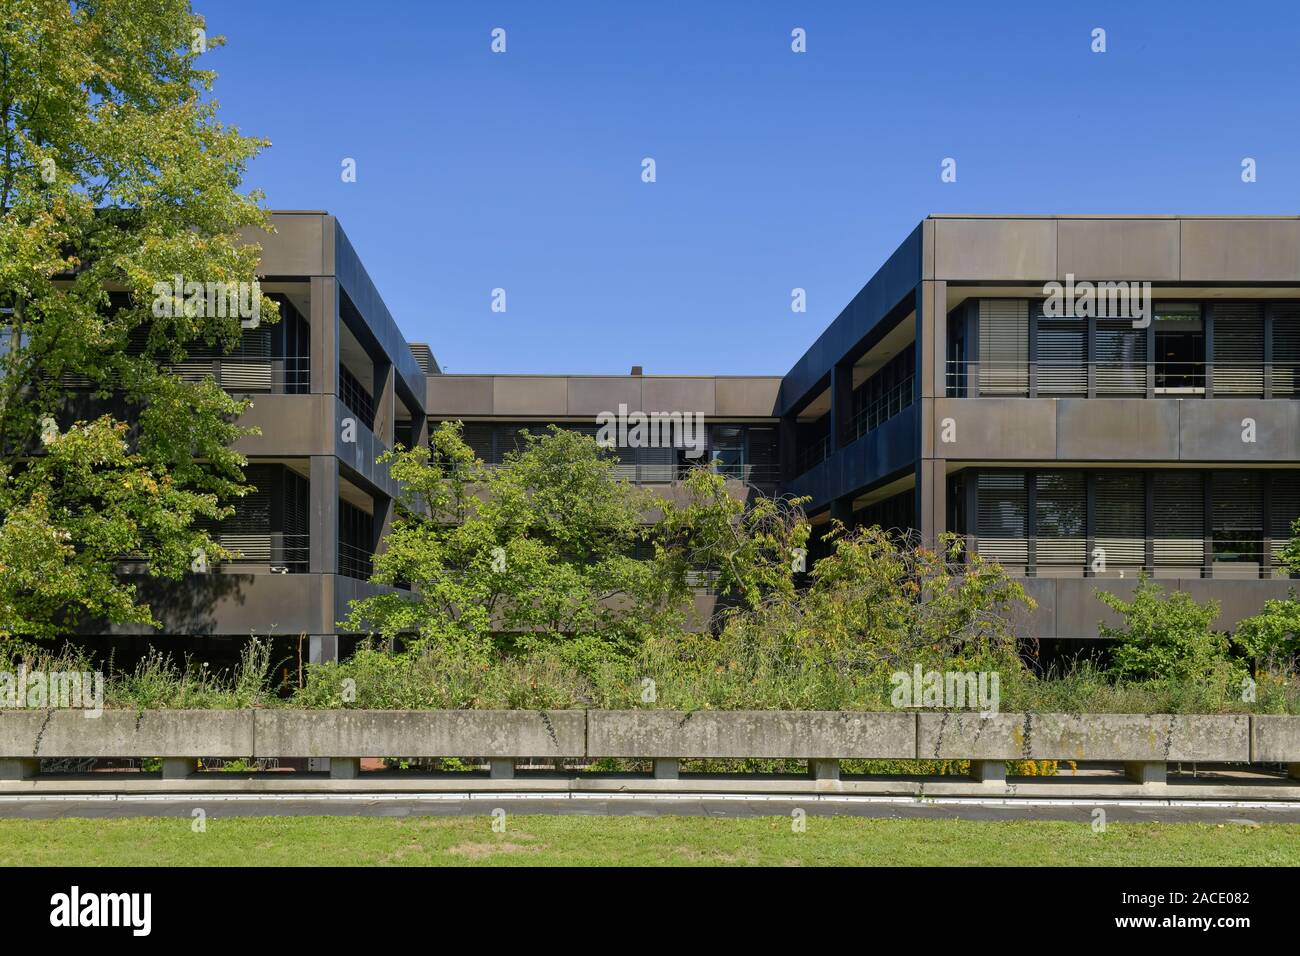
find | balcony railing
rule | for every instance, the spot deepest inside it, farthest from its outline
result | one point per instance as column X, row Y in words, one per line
column 355, row 562
column 1123, row 379
column 1230, row 556
column 671, row 473
column 281, row 553
column 881, row 410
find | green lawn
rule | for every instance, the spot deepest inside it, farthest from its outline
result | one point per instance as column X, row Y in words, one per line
column 583, row 841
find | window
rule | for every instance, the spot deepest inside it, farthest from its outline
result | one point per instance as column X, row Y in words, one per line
column 1180, row 348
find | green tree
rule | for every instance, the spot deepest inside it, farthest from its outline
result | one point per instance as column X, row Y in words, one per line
column 539, row 550
column 1166, row 637
column 115, row 176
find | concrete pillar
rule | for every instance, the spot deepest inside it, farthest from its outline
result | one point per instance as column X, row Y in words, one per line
column 344, row 768
column 499, row 769
column 841, row 413
column 988, row 771
column 1147, row 771
column 385, row 402
column 323, row 648
column 385, row 511
column 667, row 768
column 323, row 519
column 178, row 768
column 324, row 321
column 419, row 436
column 1293, row 771
column 930, row 384
column 19, row 768
column 824, row 769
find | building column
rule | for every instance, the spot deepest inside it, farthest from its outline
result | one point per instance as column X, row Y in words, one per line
column 385, row 511
column 324, row 323
column 324, row 515
column 930, row 377
column 841, row 405
column 385, row 399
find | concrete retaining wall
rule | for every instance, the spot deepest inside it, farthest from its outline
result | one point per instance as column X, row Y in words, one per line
column 665, row 735
column 124, row 733
column 1275, row 739
column 1105, row 737
column 749, row 733
column 440, row 733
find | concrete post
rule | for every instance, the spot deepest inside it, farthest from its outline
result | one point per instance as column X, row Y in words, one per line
column 344, row 768
column 385, row 402
column 501, row 769
column 324, row 322
column 1146, row 771
column 930, row 383
column 323, row 517
column 178, row 768
column 667, row 768
column 19, row 768
column 989, row 771
column 824, row 769
column 323, row 649
column 1293, row 771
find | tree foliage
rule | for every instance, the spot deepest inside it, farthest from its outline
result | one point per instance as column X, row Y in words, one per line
column 115, row 175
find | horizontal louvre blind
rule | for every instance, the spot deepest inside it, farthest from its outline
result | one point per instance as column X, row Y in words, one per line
column 1286, row 349
column 479, row 439
column 1284, row 508
column 1238, row 516
column 1062, row 356
column 1061, row 513
column 1121, row 519
column 657, row 464
column 1121, row 358
column 1004, row 346
column 1179, row 519
column 1238, row 348
column 1002, row 527
column 246, row 376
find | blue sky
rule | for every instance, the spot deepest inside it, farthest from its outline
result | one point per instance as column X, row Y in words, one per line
column 775, row 170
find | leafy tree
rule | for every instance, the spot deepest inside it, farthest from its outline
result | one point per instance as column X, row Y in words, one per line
column 115, row 176
column 1166, row 637
column 1272, row 638
column 539, row 549
column 749, row 547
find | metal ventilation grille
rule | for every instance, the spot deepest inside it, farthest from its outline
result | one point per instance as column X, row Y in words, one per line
column 1286, row 349
column 1004, row 347
column 1121, row 519
column 1238, row 348
column 1179, row 516
column 1061, row 512
column 1121, row 358
column 1062, row 356
column 1003, row 533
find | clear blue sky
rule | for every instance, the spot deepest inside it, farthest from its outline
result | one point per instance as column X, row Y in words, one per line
column 775, row 170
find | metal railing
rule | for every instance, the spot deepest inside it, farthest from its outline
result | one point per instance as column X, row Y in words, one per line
column 281, row 553
column 885, row 407
column 1220, row 556
column 355, row 562
column 1134, row 379
column 671, row 473
column 810, row 456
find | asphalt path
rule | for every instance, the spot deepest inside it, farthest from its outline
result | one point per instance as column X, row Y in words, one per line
column 1241, row 813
